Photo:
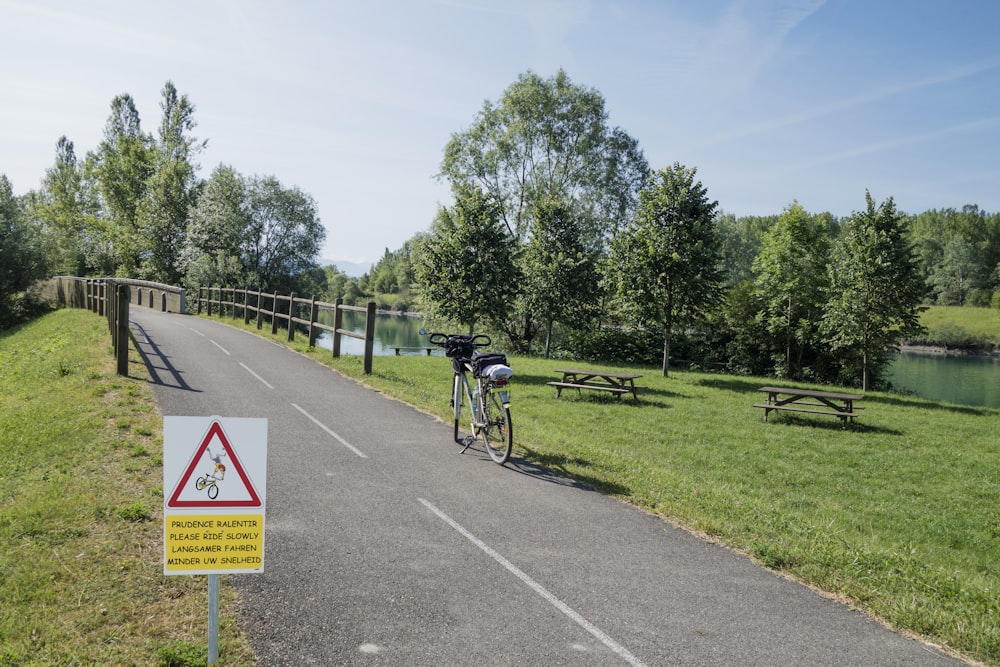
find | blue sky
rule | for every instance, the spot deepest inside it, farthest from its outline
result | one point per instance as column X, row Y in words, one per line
column 772, row 100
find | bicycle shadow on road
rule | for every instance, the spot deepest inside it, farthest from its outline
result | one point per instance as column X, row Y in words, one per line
column 546, row 467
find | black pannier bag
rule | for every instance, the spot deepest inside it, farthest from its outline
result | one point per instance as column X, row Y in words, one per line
column 458, row 348
column 481, row 361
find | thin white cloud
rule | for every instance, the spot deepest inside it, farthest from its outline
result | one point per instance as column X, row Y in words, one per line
column 838, row 106
column 978, row 125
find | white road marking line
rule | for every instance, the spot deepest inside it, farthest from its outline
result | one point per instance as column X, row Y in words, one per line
column 197, row 332
column 332, row 434
column 614, row 646
column 221, row 348
column 262, row 380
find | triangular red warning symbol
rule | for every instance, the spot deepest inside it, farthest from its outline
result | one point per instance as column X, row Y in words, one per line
column 215, row 431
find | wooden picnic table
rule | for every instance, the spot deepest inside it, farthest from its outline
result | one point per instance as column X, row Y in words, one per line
column 615, row 383
column 811, row 401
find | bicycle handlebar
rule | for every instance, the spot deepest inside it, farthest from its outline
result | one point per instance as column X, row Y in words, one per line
column 443, row 339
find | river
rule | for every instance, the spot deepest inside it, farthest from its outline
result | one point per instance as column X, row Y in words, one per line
column 963, row 379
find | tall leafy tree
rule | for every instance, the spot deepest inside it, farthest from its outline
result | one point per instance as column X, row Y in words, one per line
column 664, row 265
column 251, row 231
column 171, row 189
column 561, row 279
column 957, row 273
column 465, row 266
column 549, row 138
column 792, row 279
column 21, row 259
column 68, row 208
column 875, row 292
column 123, row 164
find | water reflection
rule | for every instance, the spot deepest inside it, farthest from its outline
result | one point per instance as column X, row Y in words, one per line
column 391, row 331
column 964, row 379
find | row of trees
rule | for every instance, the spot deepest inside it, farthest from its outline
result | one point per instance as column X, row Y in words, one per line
column 559, row 238
column 135, row 207
column 557, row 220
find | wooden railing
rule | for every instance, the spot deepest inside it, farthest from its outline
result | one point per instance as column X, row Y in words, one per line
column 277, row 308
column 110, row 298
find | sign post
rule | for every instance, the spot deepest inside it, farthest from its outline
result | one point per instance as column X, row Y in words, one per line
column 214, row 492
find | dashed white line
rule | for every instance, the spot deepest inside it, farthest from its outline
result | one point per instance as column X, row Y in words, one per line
column 610, row 643
column 221, row 348
column 332, row 434
column 197, row 332
column 262, row 380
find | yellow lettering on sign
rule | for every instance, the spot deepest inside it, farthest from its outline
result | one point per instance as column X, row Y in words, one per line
column 217, row 542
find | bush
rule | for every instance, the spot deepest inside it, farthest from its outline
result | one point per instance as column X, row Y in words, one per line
column 615, row 345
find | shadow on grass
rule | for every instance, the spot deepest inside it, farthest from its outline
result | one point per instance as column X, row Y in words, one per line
column 924, row 404
column 752, row 385
column 830, row 425
column 552, row 468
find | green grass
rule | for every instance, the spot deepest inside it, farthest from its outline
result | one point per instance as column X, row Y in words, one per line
column 962, row 326
column 81, row 569
column 898, row 514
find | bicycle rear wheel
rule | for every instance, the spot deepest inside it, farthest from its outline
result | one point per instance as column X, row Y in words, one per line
column 497, row 432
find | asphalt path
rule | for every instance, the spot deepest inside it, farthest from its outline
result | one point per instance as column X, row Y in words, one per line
column 386, row 546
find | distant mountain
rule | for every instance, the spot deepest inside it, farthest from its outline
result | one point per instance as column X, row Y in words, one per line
column 351, row 269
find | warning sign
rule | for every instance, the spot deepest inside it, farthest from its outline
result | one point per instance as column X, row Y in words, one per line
column 214, row 483
column 206, row 543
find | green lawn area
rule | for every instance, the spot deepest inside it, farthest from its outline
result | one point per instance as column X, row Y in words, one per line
column 898, row 514
column 81, row 526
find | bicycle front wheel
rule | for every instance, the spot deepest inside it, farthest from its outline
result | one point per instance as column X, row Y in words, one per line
column 497, row 432
column 456, row 402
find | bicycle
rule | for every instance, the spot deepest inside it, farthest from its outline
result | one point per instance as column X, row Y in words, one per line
column 488, row 399
column 211, row 482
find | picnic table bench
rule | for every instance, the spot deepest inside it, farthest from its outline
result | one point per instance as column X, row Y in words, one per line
column 614, row 383
column 398, row 349
column 811, row 401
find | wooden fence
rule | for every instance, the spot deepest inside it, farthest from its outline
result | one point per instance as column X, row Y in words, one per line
column 292, row 310
column 110, row 298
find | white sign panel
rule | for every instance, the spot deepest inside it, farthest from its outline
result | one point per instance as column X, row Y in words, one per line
column 214, row 494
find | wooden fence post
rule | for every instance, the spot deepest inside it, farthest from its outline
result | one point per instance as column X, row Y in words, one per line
column 121, row 339
column 369, row 337
column 313, row 316
column 260, row 311
column 291, row 317
column 338, row 321
column 274, row 315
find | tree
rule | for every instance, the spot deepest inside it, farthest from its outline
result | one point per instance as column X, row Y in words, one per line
column 549, row 138
column 171, row 190
column 21, row 259
column 664, row 266
column 465, row 267
column 561, row 278
column 68, row 209
column 957, row 274
column 251, row 231
column 875, row 292
column 123, row 163
column 791, row 283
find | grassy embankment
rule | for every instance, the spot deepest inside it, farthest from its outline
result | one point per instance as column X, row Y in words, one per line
column 81, row 550
column 961, row 327
column 898, row 514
